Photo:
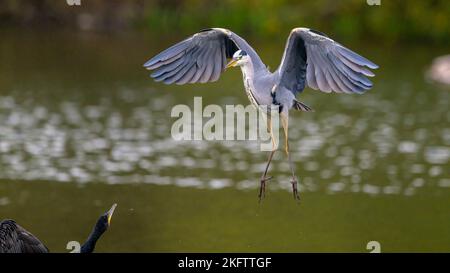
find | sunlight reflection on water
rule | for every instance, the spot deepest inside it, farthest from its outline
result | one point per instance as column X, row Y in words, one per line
column 336, row 152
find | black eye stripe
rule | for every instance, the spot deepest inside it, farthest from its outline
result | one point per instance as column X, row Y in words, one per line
column 240, row 55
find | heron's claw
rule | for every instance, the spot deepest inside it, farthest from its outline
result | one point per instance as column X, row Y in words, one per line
column 294, row 188
column 262, row 187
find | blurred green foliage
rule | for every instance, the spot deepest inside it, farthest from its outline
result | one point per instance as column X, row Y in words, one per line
column 407, row 21
column 395, row 20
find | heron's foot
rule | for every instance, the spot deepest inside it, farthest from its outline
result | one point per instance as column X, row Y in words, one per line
column 294, row 188
column 262, row 187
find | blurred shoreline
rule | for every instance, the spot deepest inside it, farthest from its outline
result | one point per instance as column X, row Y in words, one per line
column 419, row 22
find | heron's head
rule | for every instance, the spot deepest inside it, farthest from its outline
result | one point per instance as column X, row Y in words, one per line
column 240, row 58
column 105, row 220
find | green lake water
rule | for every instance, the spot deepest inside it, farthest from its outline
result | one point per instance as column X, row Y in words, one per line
column 82, row 126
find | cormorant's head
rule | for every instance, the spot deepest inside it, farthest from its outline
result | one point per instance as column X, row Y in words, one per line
column 105, row 220
column 240, row 58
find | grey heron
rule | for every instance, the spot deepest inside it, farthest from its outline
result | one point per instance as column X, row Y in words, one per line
column 16, row 239
column 310, row 59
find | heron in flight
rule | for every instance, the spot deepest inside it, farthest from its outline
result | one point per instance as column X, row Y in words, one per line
column 16, row 239
column 310, row 59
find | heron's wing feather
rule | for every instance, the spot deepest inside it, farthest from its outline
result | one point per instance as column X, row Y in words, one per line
column 311, row 58
column 243, row 45
column 199, row 58
column 16, row 239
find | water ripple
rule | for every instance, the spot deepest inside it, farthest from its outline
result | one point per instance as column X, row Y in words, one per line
column 75, row 141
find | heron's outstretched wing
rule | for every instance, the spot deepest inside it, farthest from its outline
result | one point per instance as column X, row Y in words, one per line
column 15, row 239
column 200, row 58
column 311, row 58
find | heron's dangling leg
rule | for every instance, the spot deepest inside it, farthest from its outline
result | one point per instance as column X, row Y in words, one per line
column 285, row 124
column 264, row 178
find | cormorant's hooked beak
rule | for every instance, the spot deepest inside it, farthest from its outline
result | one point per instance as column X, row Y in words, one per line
column 110, row 213
column 232, row 63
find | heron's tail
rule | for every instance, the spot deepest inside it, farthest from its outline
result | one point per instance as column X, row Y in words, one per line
column 302, row 107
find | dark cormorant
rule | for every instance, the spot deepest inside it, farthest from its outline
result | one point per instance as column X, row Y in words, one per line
column 16, row 239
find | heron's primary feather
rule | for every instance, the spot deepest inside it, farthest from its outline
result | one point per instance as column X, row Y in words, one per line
column 311, row 58
column 199, row 58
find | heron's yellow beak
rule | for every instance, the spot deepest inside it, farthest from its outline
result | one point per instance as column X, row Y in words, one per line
column 232, row 63
column 110, row 213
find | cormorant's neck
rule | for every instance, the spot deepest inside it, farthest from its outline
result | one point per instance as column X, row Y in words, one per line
column 89, row 245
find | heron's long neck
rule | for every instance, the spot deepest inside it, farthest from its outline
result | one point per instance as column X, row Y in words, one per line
column 89, row 245
column 248, row 71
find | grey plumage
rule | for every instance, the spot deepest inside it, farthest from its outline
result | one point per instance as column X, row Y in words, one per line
column 199, row 58
column 310, row 59
column 329, row 66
